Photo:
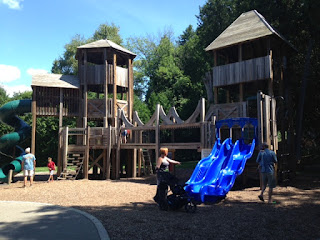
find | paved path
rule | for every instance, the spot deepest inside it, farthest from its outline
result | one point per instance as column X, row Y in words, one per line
column 35, row 221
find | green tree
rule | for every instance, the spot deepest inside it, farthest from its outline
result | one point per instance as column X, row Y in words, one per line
column 3, row 96
column 143, row 47
column 67, row 63
column 110, row 32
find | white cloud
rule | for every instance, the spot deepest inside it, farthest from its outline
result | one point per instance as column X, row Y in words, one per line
column 9, row 73
column 13, row 4
column 16, row 89
column 32, row 71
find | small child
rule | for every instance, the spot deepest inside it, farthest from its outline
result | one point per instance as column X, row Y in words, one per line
column 52, row 167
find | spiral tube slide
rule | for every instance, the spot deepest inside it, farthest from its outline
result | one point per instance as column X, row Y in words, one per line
column 8, row 115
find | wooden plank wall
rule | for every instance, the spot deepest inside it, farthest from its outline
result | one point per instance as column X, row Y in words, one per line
column 48, row 102
column 96, row 75
column 239, row 72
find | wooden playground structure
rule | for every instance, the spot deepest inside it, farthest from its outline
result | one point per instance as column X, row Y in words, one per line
column 249, row 60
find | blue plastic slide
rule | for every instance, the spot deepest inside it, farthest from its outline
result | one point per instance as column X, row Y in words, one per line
column 222, row 172
column 8, row 115
column 211, row 172
column 203, row 164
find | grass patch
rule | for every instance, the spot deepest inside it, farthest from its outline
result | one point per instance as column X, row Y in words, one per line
column 42, row 169
column 187, row 165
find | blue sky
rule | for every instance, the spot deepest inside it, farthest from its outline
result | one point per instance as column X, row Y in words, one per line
column 34, row 32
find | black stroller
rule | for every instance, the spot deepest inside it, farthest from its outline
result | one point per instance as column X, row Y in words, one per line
column 178, row 197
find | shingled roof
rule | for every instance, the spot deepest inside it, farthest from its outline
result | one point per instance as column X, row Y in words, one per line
column 248, row 26
column 55, row 80
column 105, row 43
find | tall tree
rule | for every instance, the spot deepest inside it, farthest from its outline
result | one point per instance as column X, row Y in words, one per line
column 106, row 31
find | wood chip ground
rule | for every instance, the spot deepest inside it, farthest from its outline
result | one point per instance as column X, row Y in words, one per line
column 127, row 211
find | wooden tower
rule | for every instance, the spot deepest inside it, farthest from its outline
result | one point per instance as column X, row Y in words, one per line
column 249, row 56
column 104, row 84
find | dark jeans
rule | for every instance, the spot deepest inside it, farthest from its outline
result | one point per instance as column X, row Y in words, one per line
column 164, row 179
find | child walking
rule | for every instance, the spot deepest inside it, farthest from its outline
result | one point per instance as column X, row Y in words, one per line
column 52, row 167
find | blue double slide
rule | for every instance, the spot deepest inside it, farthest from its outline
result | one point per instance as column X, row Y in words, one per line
column 215, row 175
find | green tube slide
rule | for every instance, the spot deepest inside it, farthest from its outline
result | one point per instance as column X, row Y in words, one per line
column 8, row 115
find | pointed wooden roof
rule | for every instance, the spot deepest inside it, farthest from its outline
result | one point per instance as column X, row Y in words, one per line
column 105, row 43
column 248, row 26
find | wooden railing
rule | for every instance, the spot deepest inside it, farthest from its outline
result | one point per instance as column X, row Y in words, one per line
column 227, row 110
column 244, row 71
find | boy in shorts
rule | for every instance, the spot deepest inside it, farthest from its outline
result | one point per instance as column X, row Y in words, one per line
column 28, row 165
column 52, row 167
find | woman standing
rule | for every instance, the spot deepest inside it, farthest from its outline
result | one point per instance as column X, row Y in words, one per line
column 163, row 177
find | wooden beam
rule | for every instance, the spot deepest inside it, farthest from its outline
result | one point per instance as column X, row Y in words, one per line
column 109, row 137
column 105, row 118
column 86, row 155
column 59, row 133
column 260, row 118
column 130, row 91
column 65, row 148
column 241, row 84
column 85, row 91
column 115, row 88
column 34, row 120
column 270, row 81
column 157, row 133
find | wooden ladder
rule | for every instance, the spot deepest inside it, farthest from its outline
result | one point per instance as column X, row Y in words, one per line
column 73, row 166
column 147, row 165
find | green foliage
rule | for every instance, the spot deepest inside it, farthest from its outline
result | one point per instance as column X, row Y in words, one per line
column 143, row 47
column 3, row 96
column 106, row 31
column 67, row 64
column 142, row 109
column 22, row 96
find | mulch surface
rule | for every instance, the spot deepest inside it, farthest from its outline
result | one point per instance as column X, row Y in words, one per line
column 127, row 210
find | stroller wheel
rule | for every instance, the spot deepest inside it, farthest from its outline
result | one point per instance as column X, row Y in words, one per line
column 190, row 207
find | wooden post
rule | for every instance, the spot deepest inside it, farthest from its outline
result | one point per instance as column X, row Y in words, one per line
column 9, row 177
column 270, row 81
column 109, row 153
column 157, row 133
column 87, row 152
column 274, row 131
column 260, row 118
column 130, row 92
column 106, row 110
column 240, row 74
column 117, row 167
column 202, row 124
column 85, row 92
column 65, row 149
column 267, row 118
column 215, row 92
column 60, row 130
column 34, row 120
column 115, row 89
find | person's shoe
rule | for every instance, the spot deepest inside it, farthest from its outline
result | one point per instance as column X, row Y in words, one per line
column 261, row 198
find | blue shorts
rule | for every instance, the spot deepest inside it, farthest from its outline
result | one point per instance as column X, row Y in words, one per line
column 268, row 178
column 124, row 133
